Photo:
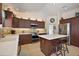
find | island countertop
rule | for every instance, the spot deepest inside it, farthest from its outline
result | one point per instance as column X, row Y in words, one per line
column 52, row 36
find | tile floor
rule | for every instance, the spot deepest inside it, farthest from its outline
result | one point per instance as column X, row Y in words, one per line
column 34, row 50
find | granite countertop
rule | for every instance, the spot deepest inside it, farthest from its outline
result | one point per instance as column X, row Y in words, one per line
column 24, row 33
column 31, row 33
column 52, row 36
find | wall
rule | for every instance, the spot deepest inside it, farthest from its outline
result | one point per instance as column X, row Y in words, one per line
column 70, row 14
column 47, row 23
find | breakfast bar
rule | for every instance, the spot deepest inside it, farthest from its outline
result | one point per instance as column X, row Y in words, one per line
column 47, row 43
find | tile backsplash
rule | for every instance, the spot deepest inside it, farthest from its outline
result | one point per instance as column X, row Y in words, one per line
column 7, row 30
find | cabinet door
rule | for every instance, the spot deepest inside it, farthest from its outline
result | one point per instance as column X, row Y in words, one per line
column 47, row 46
column 15, row 23
column 0, row 6
column 75, row 32
column 63, row 21
column 25, row 39
column 41, row 24
column 21, row 23
column 0, row 13
column 33, row 22
column 27, row 24
column 0, row 19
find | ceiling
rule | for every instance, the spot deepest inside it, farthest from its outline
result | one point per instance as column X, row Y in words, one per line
column 47, row 8
column 31, row 7
column 56, row 8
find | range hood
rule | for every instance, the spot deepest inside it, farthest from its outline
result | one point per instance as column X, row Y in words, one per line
column 33, row 25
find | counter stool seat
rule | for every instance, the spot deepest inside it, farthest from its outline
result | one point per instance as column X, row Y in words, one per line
column 64, row 45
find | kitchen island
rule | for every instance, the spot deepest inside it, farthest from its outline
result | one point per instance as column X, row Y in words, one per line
column 47, row 42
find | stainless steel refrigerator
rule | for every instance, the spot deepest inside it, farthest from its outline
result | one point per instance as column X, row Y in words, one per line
column 65, row 29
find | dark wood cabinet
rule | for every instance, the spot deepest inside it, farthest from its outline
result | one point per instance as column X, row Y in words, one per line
column 75, row 32
column 62, row 21
column 41, row 24
column 0, row 6
column 48, row 46
column 15, row 22
column 27, row 24
column 0, row 20
column 74, row 29
column 21, row 23
column 25, row 39
column 33, row 21
column 24, row 23
column 0, row 13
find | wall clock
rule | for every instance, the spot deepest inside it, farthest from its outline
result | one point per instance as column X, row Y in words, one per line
column 52, row 20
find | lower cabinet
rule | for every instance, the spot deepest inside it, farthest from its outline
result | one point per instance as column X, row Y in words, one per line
column 25, row 39
column 47, row 46
column 0, row 13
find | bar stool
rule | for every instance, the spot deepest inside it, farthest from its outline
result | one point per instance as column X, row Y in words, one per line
column 63, row 42
column 58, row 48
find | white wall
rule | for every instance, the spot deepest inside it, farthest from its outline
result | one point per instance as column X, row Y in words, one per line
column 70, row 13
column 54, row 24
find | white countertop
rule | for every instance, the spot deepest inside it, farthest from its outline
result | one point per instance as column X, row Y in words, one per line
column 9, row 45
column 52, row 36
column 10, row 38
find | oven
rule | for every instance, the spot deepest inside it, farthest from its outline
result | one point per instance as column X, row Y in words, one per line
column 34, row 32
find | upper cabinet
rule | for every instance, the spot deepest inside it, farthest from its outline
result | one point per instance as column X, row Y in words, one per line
column 62, row 21
column 41, row 24
column 0, row 13
column 26, row 23
column 23, row 23
column 15, row 22
column 33, row 22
